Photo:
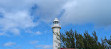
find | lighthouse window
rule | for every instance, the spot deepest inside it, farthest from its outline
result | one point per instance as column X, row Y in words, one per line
column 56, row 22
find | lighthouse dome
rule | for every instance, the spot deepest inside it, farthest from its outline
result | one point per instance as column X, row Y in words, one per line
column 56, row 19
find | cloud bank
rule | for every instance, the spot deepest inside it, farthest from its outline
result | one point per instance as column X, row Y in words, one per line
column 23, row 14
column 87, row 11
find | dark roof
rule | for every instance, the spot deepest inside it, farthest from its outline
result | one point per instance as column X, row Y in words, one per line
column 67, row 48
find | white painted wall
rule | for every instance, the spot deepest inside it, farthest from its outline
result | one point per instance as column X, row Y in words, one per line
column 56, row 42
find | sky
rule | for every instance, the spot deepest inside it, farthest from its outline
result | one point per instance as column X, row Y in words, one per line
column 26, row 24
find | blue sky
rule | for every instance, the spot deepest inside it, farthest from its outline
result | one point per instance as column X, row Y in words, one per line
column 26, row 24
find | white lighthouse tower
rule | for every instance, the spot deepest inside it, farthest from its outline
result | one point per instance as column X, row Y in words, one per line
column 56, row 34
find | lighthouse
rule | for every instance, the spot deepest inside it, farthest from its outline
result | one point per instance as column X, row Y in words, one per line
column 56, row 34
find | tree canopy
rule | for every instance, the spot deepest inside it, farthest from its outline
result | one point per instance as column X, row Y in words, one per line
column 72, row 39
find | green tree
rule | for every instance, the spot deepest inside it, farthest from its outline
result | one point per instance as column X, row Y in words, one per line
column 107, row 43
column 67, row 39
column 79, row 40
column 71, row 39
column 88, row 40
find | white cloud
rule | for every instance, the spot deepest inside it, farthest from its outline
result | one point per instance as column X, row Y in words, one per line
column 33, row 42
column 1, row 34
column 33, row 32
column 9, row 44
column 15, row 31
column 15, row 5
column 38, row 32
column 16, row 15
column 14, row 21
column 44, row 46
column 4, row 34
column 46, row 8
column 85, row 11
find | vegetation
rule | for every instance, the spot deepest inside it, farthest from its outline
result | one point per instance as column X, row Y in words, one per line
column 71, row 39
